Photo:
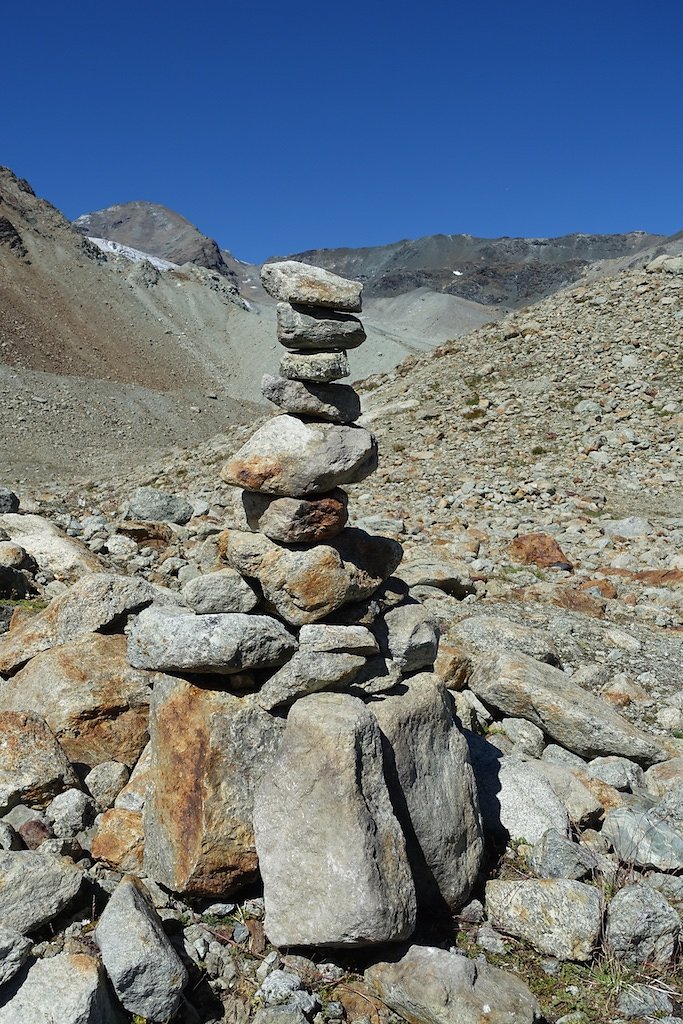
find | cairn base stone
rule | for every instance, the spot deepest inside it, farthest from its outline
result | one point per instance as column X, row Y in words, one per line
column 331, row 852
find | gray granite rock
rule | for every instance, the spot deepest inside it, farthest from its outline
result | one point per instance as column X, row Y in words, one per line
column 171, row 640
column 290, row 458
column 332, row 854
column 526, row 737
column 641, row 927
column 9, row 502
column 433, row 986
column 644, row 839
column 619, row 772
column 304, row 327
column 105, row 781
column 150, row 504
column 308, row 672
column 319, row 367
column 147, row 974
column 556, row 916
column 336, row 403
column 430, row 778
column 14, row 951
column 410, row 636
column 219, row 593
column 69, row 988
column 70, row 813
column 520, row 686
column 557, row 856
column 320, row 636
column 35, row 887
column 299, row 283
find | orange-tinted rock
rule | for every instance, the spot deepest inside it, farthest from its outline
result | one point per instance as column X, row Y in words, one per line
column 600, row 588
column 94, row 702
column 33, row 766
column 209, row 752
column 119, row 840
column 537, row 549
column 579, row 601
column 452, row 666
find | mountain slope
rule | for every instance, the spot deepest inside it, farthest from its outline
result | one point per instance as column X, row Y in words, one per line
column 492, row 271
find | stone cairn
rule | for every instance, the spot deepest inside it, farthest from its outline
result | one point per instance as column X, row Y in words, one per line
column 327, row 755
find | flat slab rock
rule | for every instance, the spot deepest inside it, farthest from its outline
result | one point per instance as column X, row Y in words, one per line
column 94, row 702
column 322, row 367
column 95, row 601
column 69, row 988
column 209, row 751
column 169, row 640
column 337, row 403
column 308, row 672
column 290, row 458
column 306, row 327
column 518, row 685
column 305, row 584
column 301, row 283
column 147, row 974
column 556, row 916
column 332, row 854
column 433, row 986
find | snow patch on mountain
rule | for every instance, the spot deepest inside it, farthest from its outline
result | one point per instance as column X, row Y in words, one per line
column 128, row 253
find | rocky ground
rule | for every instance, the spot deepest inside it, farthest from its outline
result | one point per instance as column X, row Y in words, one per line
column 532, row 473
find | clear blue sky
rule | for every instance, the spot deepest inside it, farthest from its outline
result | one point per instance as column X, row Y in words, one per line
column 277, row 127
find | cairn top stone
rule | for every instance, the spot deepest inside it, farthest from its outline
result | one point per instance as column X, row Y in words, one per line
column 295, row 282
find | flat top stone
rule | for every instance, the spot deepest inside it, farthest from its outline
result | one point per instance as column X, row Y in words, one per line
column 292, row 281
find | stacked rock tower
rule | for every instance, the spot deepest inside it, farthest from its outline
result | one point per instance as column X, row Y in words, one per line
column 311, row 742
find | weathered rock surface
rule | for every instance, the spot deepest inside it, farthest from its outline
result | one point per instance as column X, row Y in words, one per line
column 300, row 283
column 303, row 327
column 481, row 634
column 306, row 584
column 641, row 927
column 33, row 766
column 521, row 686
column 556, row 916
column 68, row 988
column 209, row 752
column 336, row 403
column 296, row 520
column 308, row 672
column 148, row 503
column 9, row 502
column 556, row 856
column 220, row 593
column 325, row 828
column 35, row 887
column 14, row 950
column 287, row 457
column 433, row 986
column 97, row 600
column 147, row 974
column 411, row 637
column 119, row 840
column 64, row 557
column 582, row 805
column 431, row 782
column 320, row 367
column 94, row 702
column 132, row 796
column 70, row 812
column 337, row 639
column 644, row 838
column 172, row 641
column 105, row 781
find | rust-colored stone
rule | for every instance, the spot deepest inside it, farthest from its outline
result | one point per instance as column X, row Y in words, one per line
column 604, row 588
column 537, row 549
column 119, row 840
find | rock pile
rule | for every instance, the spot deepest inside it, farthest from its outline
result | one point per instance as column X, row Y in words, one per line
column 204, row 708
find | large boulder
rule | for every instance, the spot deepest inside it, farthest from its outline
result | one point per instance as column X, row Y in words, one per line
column 69, row 988
column 430, row 779
column 645, row 838
column 162, row 638
column 290, row 458
column 433, row 986
column 301, row 283
column 518, row 685
column 307, row 583
column 96, row 601
column 147, row 974
column 94, row 702
column 33, row 766
column 209, row 751
column 332, row 854
column 52, row 550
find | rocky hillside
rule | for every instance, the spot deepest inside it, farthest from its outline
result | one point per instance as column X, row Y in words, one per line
column 260, row 767
column 508, row 272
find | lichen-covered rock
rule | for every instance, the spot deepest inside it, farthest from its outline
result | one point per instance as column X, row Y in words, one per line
column 556, row 916
column 308, row 672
